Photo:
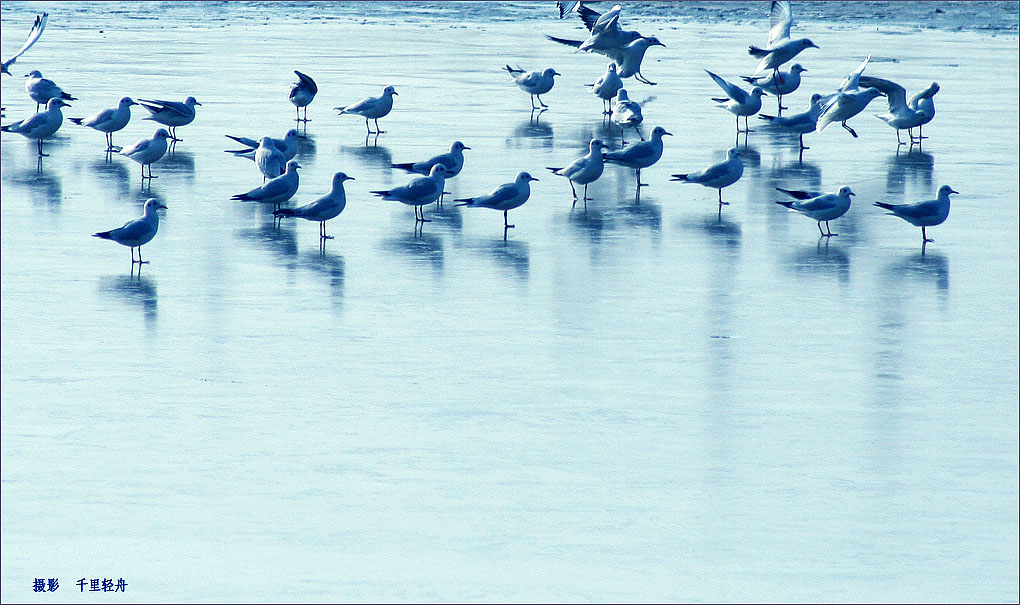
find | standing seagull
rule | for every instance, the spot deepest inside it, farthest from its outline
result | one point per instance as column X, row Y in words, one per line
column 322, row 209
column 718, row 175
column 288, row 145
column 923, row 214
column 269, row 159
column 780, row 47
column 171, row 113
column 801, row 123
column 372, row 108
column 419, row 192
column 40, row 125
column 148, row 151
column 452, row 160
column 37, row 30
column 820, row 206
column 640, row 155
column 302, row 93
column 606, row 87
column 627, row 113
column 276, row 191
column 533, row 82
column 778, row 83
column 739, row 102
column 583, row 170
column 900, row 116
column 924, row 101
column 109, row 121
column 42, row 90
column 504, row 198
column 137, row 233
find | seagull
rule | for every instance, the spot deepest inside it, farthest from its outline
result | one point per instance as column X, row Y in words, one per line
column 453, row 161
column 288, row 145
column 533, row 82
column 326, row 207
column 640, row 155
column 37, row 30
column 627, row 113
column 42, row 90
column 923, row 214
column 630, row 56
column 137, row 233
column 604, row 29
column 276, row 191
column 606, row 86
column 844, row 106
column 506, row 197
column 171, row 113
column 900, row 116
column 301, row 94
column 41, row 125
column 419, row 192
column 820, row 206
column 739, row 102
column 269, row 159
column 583, row 170
column 718, row 175
column 372, row 108
column 779, row 83
column 148, row 151
column 109, row 120
column 924, row 101
column 780, row 47
column 801, row 123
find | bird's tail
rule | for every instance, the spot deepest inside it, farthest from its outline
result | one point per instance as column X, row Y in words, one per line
column 241, row 197
column 749, row 79
column 283, row 212
column 787, row 204
column 103, row 235
column 756, row 52
column 408, row 166
column 466, row 201
column 762, row 116
column 886, row 206
column 68, row 97
column 553, row 170
column 242, row 140
column 77, row 121
column 720, row 100
column 6, row 128
column 574, row 43
column 513, row 71
column 383, row 193
column 242, row 153
column 679, row 177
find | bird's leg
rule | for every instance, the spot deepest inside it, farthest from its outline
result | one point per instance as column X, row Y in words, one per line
column 738, row 124
column 820, row 229
column 533, row 107
column 41, row 154
column 900, row 142
column 638, row 131
column 641, row 78
column 140, row 261
column 506, row 218
column 924, row 236
column 802, row 147
column 722, row 203
column 639, row 183
column 322, row 228
column 133, row 256
column 586, row 198
column 920, row 133
column 850, row 130
column 367, row 127
column 377, row 131
column 829, row 229
column 539, row 97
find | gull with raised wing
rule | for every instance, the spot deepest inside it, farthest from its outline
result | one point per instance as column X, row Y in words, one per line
column 323, row 209
column 900, row 115
column 504, row 198
column 372, row 108
column 419, row 192
column 534, row 83
column 738, row 101
column 630, row 56
column 923, row 214
column 33, row 35
column 276, row 191
column 717, row 176
column 780, row 48
column 845, row 105
column 627, row 114
column 583, row 170
column 137, row 233
column 778, row 83
column 820, row 206
column 800, row 123
column 109, row 121
column 41, row 125
column 288, row 145
column 42, row 90
column 604, row 31
column 301, row 94
column 640, row 155
column 924, row 101
column 171, row 113
column 148, row 151
column 606, row 87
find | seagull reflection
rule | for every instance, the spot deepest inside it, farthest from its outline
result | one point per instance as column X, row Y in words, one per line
column 180, row 162
column 282, row 241
column 641, row 215
column 136, row 290
column 914, row 167
column 447, row 215
column 306, row 147
column 930, row 267
column 590, row 222
column 541, row 132
column 331, row 265
column 116, row 173
column 512, row 255
column 45, row 190
column 721, row 232
column 821, row 259
column 422, row 248
column 372, row 156
column 750, row 156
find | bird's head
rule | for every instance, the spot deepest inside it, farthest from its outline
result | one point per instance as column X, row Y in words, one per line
column 845, row 192
column 389, row 90
column 945, row 190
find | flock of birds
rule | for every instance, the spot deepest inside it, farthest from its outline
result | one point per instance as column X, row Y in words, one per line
column 275, row 158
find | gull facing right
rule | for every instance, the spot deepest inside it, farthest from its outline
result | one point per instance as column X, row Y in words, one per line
column 583, row 170
column 504, row 198
column 820, row 206
column 41, row 125
column 640, row 155
column 717, row 176
column 323, row 209
column 372, row 108
column 923, row 214
column 137, row 233
column 533, row 82
column 109, row 121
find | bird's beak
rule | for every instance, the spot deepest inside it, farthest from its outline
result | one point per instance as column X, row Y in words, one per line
column 396, row 93
column 813, row 45
column 349, row 178
column 954, row 191
column 556, row 73
column 853, row 194
column 659, row 44
column 132, row 103
column 533, row 179
column 197, row 103
column 669, row 133
column 466, row 147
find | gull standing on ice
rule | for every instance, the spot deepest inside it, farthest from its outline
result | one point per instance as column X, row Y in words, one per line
column 801, row 123
column 37, row 30
column 42, row 90
column 40, row 125
column 109, row 121
column 820, row 206
column 583, row 170
column 504, row 198
column 718, row 175
column 452, row 160
column 923, row 214
column 419, row 192
column 322, row 209
column 640, row 155
column 606, row 87
column 171, row 113
column 137, row 233
column 780, row 47
column 372, row 108
column 924, row 101
column 627, row 113
column 779, row 83
column 533, row 82
column 301, row 94
column 148, row 151
column 288, row 145
column 739, row 102
column 276, row 191
column 269, row 159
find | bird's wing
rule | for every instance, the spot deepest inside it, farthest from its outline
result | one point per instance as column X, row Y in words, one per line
column 133, row 229
column 307, row 82
column 32, row 122
column 418, row 188
column 800, row 195
column 275, row 187
column 733, row 92
column 503, row 193
column 173, row 106
column 362, row 105
column 780, row 20
column 607, row 21
column 37, row 30
column 632, row 153
column 529, row 79
column 99, row 118
column 711, row 173
column 822, row 202
column 588, row 16
column 852, row 81
column 136, row 147
column 244, row 141
column 896, row 94
column 927, row 92
column 917, row 211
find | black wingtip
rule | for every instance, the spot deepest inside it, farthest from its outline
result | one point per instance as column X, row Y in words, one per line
column 77, row 121
column 787, row 204
column 884, row 205
column 103, row 235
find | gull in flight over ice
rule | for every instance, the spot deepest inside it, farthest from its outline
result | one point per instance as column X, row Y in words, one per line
column 33, row 35
column 780, row 48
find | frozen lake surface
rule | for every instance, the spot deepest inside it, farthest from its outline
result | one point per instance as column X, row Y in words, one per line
column 644, row 401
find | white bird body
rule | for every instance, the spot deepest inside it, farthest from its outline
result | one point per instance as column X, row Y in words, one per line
column 534, row 83
column 717, row 176
column 583, row 170
column 844, row 106
column 288, row 145
column 452, row 160
column 779, row 54
column 137, row 233
column 739, row 101
column 372, row 108
column 923, row 214
column 800, row 123
column 640, row 155
column 277, row 190
column 505, row 197
column 608, row 84
column 820, row 206
column 925, row 101
column 269, row 159
column 779, row 83
column 42, row 90
column 629, row 57
column 33, row 35
column 627, row 113
column 42, row 124
column 323, row 209
column 109, row 121
column 148, row 151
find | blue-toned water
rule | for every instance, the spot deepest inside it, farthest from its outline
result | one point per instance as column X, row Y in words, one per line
column 644, row 401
